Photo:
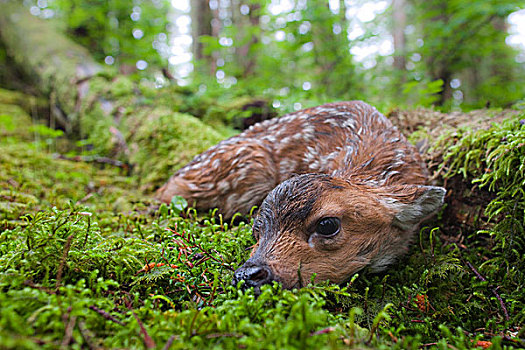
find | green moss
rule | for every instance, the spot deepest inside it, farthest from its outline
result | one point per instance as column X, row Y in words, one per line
column 167, row 141
column 87, row 261
column 9, row 97
column 493, row 159
column 121, row 86
column 14, row 121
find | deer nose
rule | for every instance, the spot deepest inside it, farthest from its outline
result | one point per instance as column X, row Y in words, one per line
column 253, row 275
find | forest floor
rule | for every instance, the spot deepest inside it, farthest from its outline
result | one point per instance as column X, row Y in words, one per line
column 88, row 261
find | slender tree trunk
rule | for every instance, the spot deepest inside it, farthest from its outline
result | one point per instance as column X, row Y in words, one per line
column 342, row 14
column 438, row 62
column 398, row 32
column 201, row 17
column 216, row 27
column 248, row 58
column 446, row 93
column 497, row 69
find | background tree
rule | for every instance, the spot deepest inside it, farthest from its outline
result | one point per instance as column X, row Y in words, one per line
column 133, row 35
column 249, row 24
column 201, row 25
column 398, row 33
column 457, row 38
column 297, row 53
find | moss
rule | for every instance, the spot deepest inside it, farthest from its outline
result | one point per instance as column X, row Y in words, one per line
column 121, row 86
column 108, row 113
column 87, row 261
column 14, row 121
column 167, row 141
column 492, row 159
column 9, row 97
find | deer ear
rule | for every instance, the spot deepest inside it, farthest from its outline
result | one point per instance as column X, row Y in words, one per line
column 422, row 203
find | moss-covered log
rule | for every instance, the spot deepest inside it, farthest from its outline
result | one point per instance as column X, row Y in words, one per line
column 118, row 117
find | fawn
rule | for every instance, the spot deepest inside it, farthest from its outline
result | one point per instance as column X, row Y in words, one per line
column 340, row 187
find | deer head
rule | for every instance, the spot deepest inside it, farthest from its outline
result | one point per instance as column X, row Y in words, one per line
column 331, row 227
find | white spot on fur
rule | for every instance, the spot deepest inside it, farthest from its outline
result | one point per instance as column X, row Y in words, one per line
column 287, row 166
column 334, row 122
column 241, row 149
column 223, row 186
column 270, row 138
column 349, row 123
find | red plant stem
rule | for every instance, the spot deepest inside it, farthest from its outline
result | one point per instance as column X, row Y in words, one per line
column 148, row 340
column 493, row 290
column 106, row 315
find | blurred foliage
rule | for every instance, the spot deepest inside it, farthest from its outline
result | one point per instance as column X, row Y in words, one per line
column 302, row 55
column 299, row 57
column 467, row 42
column 305, row 39
column 456, row 55
column 126, row 31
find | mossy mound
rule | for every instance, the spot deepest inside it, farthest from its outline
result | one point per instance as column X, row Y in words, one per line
column 167, row 142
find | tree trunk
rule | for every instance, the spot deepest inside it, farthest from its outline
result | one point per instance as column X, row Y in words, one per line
column 398, row 32
column 54, row 63
column 201, row 17
column 446, row 93
column 107, row 110
column 247, row 56
column 216, row 28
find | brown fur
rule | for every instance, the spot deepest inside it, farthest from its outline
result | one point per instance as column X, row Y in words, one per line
column 356, row 167
column 254, row 162
column 369, row 235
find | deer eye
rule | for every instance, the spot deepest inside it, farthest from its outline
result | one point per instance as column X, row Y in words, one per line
column 328, row 227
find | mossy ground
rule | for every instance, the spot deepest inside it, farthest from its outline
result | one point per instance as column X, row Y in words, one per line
column 87, row 261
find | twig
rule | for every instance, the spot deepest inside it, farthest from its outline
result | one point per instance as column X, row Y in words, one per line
column 194, row 318
column 33, row 285
column 86, row 334
column 221, row 335
column 168, row 343
column 106, row 315
column 323, row 331
column 148, row 340
column 493, row 290
column 69, row 332
column 92, row 159
column 67, row 246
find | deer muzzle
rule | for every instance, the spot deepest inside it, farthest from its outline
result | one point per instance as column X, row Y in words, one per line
column 254, row 275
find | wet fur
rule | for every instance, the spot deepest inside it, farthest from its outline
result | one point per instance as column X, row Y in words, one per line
column 341, row 159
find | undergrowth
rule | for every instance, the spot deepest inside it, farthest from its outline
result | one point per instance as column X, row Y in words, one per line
column 88, row 262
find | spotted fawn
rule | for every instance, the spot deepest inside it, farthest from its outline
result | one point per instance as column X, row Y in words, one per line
column 339, row 189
